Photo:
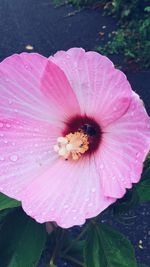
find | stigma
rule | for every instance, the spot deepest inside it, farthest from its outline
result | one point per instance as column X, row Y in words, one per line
column 72, row 146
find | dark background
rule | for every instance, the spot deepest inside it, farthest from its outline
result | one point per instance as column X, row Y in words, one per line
column 47, row 29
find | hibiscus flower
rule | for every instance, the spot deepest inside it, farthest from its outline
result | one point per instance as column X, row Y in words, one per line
column 73, row 134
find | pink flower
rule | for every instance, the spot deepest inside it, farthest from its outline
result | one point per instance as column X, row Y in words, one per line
column 73, row 135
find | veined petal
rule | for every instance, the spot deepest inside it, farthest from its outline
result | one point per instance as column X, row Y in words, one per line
column 26, row 148
column 56, row 87
column 103, row 92
column 22, row 78
column 67, row 193
column 125, row 145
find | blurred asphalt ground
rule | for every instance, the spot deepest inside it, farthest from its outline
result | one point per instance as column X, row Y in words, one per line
column 27, row 24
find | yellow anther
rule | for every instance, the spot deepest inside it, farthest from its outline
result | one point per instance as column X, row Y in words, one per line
column 72, row 146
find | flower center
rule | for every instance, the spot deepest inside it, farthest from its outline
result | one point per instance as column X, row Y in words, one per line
column 72, row 146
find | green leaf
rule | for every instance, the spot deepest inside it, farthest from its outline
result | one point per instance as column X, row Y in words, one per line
column 126, row 203
column 72, row 247
column 147, row 9
column 143, row 187
column 7, row 202
column 143, row 190
column 105, row 247
column 52, row 265
column 21, row 240
column 146, row 170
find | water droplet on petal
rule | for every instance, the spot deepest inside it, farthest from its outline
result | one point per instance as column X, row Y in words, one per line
column 65, row 206
column 52, row 209
column 101, row 166
column 8, row 125
column 1, row 125
column 10, row 102
column 30, row 212
column 74, row 210
column 93, row 190
column 14, row 158
column 1, row 158
column 27, row 67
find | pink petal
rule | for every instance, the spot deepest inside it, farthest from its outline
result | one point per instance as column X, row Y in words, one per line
column 125, row 145
column 103, row 92
column 26, row 149
column 56, row 87
column 21, row 94
column 31, row 120
column 67, row 193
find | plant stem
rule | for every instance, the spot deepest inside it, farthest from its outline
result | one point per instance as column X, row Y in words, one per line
column 76, row 239
column 57, row 247
column 73, row 260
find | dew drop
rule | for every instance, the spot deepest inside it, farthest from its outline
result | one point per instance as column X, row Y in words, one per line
column 5, row 141
column 10, row 102
column 101, row 166
column 30, row 212
column 65, row 206
column 36, row 129
column 1, row 158
column 1, row 125
column 27, row 67
column 93, row 190
column 74, row 210
column 14, row 158
column 8, row 125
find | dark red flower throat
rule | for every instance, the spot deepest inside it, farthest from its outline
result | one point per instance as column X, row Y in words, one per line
column 88, row 126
